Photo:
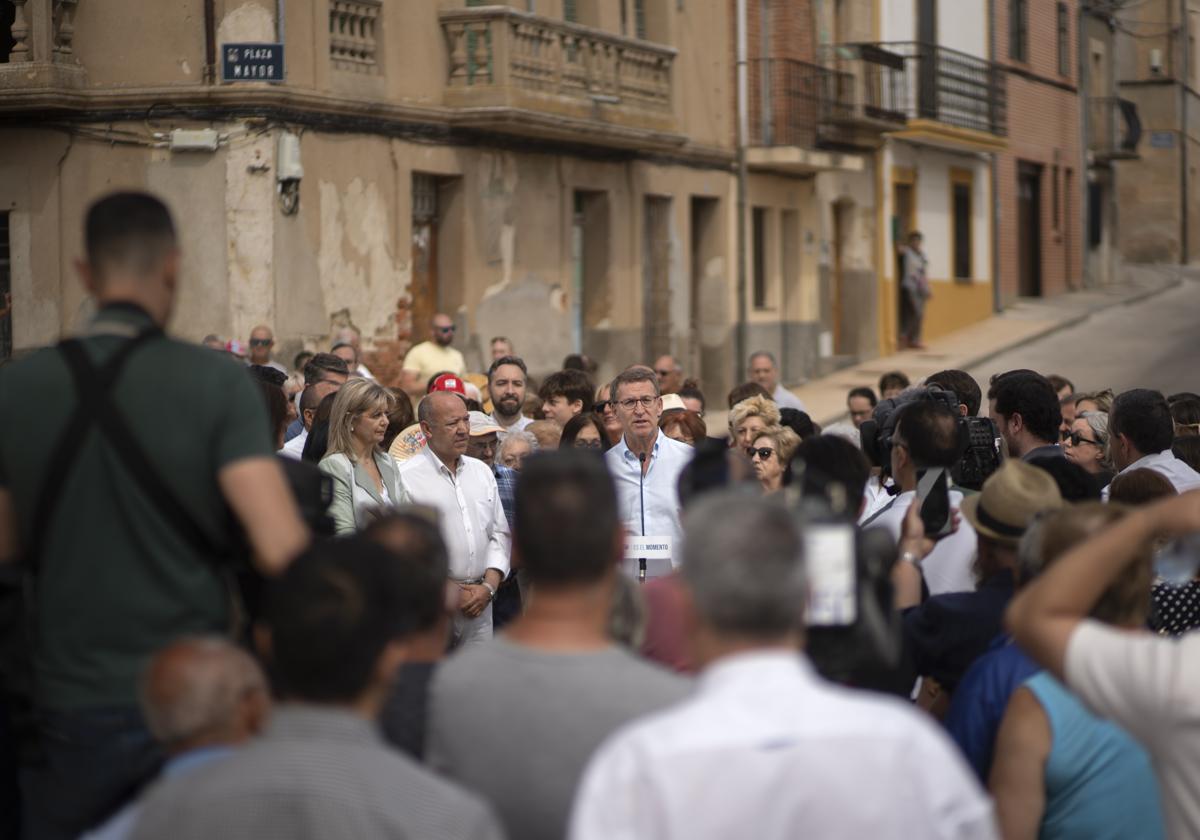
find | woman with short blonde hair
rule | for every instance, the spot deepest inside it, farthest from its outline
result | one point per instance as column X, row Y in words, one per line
column 365, row 478
column 771, row 454
column 749, row 417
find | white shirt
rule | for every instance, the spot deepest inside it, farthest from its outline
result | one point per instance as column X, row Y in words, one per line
column 519, row 426
column 473, row 521
column 658, row 491
column 1183, row 477
column 294, row 448
column 948, row 568
column 766, row 749
column 1150, row 686
column 786, row 399
column 875, row 498
column 362, row 371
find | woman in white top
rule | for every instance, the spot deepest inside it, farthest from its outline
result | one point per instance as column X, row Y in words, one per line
column 365, row 478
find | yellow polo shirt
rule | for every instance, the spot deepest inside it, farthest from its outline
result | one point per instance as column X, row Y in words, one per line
column 428, row 358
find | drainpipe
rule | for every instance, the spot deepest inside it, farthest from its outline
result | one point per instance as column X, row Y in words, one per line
column 994, row 170
column 1084, row 86
column 743, row 133
column 210, row 42
column 280, row 23
column 1185, row 71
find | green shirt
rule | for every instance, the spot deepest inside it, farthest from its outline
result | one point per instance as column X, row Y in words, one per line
column 115, row 581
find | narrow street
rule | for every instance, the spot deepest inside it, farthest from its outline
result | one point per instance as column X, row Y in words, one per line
column 1153, row 343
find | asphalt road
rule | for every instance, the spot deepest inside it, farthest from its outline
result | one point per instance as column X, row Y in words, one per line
column 1153, row 343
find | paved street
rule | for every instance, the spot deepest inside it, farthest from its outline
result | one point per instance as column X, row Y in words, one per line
column 1153, row 343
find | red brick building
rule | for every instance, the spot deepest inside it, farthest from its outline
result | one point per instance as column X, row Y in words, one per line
column 1040, row 230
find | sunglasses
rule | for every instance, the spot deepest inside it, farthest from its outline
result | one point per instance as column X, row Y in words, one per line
column 449, row 329
column 764, row 453
column 261, row 342
column 598, row 408
column 1075, row 439
column 587, row 444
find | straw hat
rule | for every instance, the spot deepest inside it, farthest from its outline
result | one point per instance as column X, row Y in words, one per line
column 1013, row 495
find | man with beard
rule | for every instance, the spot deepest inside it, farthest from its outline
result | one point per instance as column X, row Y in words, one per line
column 506, row 384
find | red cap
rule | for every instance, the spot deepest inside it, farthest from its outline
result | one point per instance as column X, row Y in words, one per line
column 448, row 382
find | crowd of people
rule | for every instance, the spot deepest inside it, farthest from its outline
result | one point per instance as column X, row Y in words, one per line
column 244, row 603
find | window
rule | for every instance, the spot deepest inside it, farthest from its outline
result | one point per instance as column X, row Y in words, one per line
column 1064, row 42
column 639, row 19
column 1018, row 30
column 8, row 14
column 758, row 240
column 5, row 290
column 961, row 200
column 570, row 12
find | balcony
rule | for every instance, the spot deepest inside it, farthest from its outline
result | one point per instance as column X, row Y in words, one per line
column 40, row 43
column 809, row 118
column 532, row 76
column 952, row 99
column 1114, row 129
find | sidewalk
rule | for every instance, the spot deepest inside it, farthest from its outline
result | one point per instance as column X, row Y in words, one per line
column 1026, row 320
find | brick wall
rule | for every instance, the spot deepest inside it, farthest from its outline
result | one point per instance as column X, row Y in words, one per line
column 791, row 36
column 1043, row 128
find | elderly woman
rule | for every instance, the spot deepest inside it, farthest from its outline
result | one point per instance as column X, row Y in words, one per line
column 1087, row 445
column 771, row 454
column 514, row 449
column 365, row 478
column 749, row 417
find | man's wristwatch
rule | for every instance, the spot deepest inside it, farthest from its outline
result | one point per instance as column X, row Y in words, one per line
column 491, row 589
column 910, row 556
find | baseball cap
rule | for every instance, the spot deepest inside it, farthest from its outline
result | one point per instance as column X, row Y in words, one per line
column 481, row 424
column 448, row 382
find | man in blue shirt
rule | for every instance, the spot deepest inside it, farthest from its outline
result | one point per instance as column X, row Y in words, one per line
column 645, row 466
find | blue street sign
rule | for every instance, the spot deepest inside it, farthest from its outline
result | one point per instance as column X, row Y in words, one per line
column 252, row 62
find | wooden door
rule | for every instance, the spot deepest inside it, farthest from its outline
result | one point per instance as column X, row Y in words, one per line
column 1029, row 228
column 424, row 285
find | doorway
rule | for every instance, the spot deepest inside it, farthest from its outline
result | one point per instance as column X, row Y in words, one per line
column 590, row 302
column 656, row 276
column 903, row 223
column 1029, row 228
column 424, row 285
column 706, row 312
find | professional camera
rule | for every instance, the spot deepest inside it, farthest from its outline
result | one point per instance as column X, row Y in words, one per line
column 979, row 439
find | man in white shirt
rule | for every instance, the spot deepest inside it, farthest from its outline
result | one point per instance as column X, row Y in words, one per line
column 262, row 340
column 765, row 748
column 472, row 516
column 506, row 386
column 351, row 336
column 926, row 438
column 432, row 357
column 765, row 371
column 1147, row 684
column 645, row 466
column 1141, row 432
column 310, row 398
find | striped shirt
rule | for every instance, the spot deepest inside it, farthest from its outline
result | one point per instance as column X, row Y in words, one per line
column 317, row 773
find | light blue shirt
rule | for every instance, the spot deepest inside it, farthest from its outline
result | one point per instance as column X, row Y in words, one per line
column 657, row 494
column 121, row 824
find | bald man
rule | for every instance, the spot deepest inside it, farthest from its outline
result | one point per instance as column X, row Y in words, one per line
column 202, row 697
column 262, row 342
column 669, row 373
column 463, row 489
column 433, row 356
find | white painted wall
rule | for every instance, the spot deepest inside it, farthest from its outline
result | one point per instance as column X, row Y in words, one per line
column 962, row 24
column 934, row 215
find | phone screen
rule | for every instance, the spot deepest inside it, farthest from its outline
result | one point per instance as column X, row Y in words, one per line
column 832, row 576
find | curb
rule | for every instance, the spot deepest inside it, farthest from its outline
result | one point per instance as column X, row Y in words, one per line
column 1066, row 323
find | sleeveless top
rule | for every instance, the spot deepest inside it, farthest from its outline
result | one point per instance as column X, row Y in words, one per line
column 1099, row 782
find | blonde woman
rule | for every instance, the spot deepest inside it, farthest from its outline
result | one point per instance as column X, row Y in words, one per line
column 365, row 478
column 748, row 418
column 771, row 454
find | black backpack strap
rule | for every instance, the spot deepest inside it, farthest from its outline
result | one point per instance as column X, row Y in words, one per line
column 98, row 380
column 879, row 513
column 94, row 387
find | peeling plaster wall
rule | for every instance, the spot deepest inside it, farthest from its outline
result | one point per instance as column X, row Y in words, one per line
column 250, row 227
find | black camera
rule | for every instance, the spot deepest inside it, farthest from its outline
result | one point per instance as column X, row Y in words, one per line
column 978, row 437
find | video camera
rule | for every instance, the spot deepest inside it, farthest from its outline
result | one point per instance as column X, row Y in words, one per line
column 979, row 440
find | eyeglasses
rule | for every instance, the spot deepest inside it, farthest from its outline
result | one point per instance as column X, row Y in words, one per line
column 261, row 342
column 1076, row 438
column 764, row 453
column 598, row 408
column 587, row 444
column 664, row 372
column 630, row 403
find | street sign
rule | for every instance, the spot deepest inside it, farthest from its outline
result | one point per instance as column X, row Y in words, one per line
column 1162, row 139
column 252, row 63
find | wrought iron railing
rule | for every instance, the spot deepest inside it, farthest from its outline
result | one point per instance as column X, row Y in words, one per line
column 953, row 87
column 1114, row 128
